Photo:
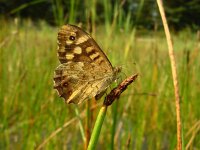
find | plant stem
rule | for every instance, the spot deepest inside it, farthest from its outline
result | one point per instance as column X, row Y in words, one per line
column 174, row 74
column 80, row 123
column 87, row 124
column 97, row 128
column 113, row 128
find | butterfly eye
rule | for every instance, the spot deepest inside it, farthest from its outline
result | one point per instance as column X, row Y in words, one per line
column 72, row 38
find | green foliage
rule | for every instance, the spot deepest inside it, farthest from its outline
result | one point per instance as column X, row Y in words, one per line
column 181, row 13
column 31, row 109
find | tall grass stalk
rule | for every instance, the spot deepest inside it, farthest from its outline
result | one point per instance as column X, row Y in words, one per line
column 129, row 43
column 174, row 74
column 25, row 5
column 107, row 15
column 139, row 11
column 93, row 17
column 58, row 12
column 80, row 124
column 87, row 123
column 72, row 11
column 54, row 133
column 114, row 124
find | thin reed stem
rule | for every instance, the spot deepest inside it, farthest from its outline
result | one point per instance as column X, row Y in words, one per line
column 80, row 124
column 174, row 74
column 87, row 124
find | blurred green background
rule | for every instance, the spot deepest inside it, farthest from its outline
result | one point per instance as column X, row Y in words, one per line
column 131, row 34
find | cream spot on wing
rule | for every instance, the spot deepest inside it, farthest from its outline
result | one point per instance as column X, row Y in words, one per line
column 61, row 49
column 89, row 49
column 89, row 90
column 96, row 84
column 93, row 56
column 77, row 50
column 81, row 64
column 99, row 60
column 82, row 39
column 69, row 56
column 74, row 94
column 68, row 42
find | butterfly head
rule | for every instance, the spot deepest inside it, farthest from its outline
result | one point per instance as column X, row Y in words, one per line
column 116, row 71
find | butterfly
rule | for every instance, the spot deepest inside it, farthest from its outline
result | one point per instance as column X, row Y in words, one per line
column 85, row 71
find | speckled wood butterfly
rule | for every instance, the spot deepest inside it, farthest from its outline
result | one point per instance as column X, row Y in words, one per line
column 85, row 71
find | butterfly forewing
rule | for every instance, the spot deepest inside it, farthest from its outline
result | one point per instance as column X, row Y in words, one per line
column 76, row 45
column 85, row 71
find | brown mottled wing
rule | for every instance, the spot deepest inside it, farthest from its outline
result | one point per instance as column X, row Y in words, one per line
column 85, row 71
column 82, row 49
column 75, row 84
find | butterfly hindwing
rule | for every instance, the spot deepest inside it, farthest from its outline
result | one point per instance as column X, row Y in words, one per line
column 75, row 84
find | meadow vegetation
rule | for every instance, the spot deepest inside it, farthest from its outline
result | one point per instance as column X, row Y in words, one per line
column 31, row 109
